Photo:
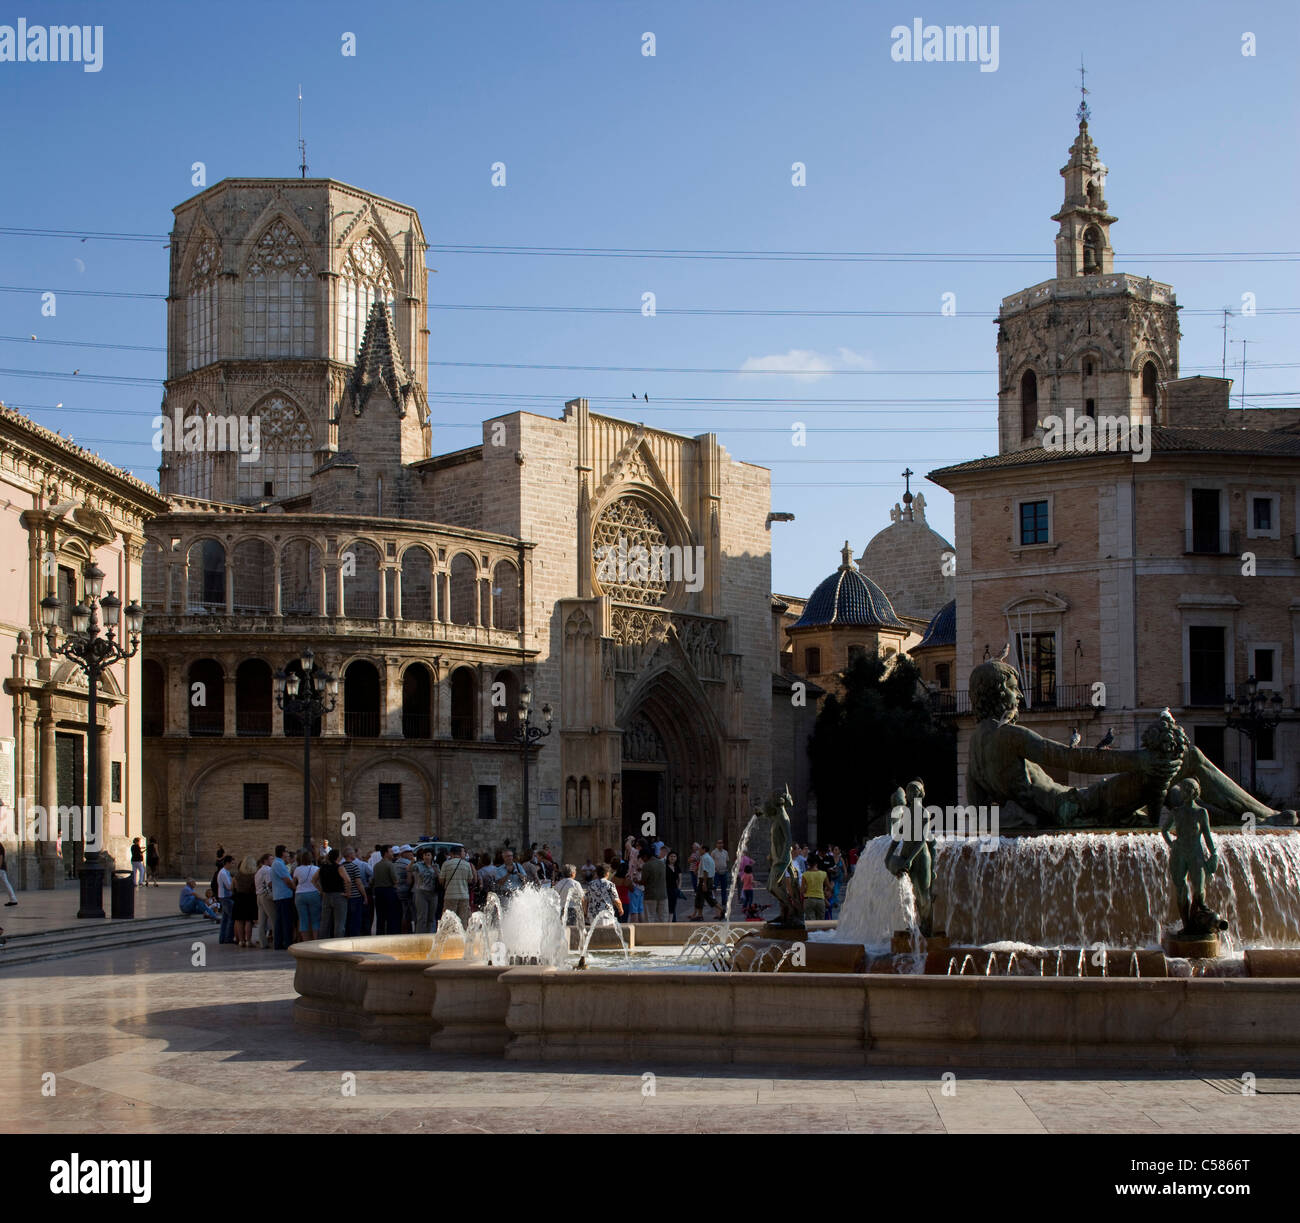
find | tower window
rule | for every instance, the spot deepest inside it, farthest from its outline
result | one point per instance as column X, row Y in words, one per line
column 1028, row 403
column 1091, row 251
column 1150, row 388
column 812, row 660
column 1090, row 407
column 1087, row 369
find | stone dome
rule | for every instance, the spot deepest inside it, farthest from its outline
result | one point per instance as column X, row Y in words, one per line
column 848, row 597
column 942, row 630
column 907, row 560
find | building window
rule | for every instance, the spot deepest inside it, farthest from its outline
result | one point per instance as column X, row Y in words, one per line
column 1034, row 522
column 1038, row 667
column 1263, row 669
column 67, row 580
column 812, row 660
column 1263, row 516
column 1209, row 740
column 1265, row 745
column 1150, row 389
column 1207, row 660
column 257, row 800
column 115, row 782
column 201, row 306
column 279, row 297
column 363, row 280
column 284, row 460
column 1028, row 403
column 390, row 800
column 856, row 652
column 942, row 676
column 1090, row 407
column 487, row 802
column 1091, row 251
column 1207, row 534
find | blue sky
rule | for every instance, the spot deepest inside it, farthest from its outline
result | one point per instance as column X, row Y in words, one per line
column 689, row 150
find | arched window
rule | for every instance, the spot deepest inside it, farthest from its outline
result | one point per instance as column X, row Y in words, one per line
column 285, row 453
column 207, row 562
column 279, row 297
column 1028, row 403
column 363, row 279
column 1088, row 384
column 417, row 584
column 300, row 565
column 253, row 697
column 205, row 692
column 463, row 699
column 153, row 707
column 254, row 576
column 506, row 697
column 505, row 596
column 1091, row 250
column 464, row 589
column 417, row 702
column 1150, row 389
column 192, row 469
column 201, row 305
column 361, row 581
column 361, row 707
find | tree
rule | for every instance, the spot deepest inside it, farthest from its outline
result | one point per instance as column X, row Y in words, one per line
column 877, row 734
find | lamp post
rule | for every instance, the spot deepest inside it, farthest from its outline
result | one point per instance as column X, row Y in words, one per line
column 527, row 735
column 305, row 694
column 1252, row 716
column 94, row 650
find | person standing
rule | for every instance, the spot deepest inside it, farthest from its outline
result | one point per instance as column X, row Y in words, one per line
column 455, row 878
column 306, row 896
column 403, row 862
column 601, row 895
column 226, row 900
column 673, row 883
column 746, row 884
column 282, row 897
column 358, row 896
column 335, row 885
column 721, row 860
column 388, row 910
column 569, row 892
column 265, row 904
column 4, row 878
column 424, row 892
column 245, row 903
column 693, row 863
column 812, row 886
column 510, row 875
column 654, row 878
column 137, row 864
column 151, row 862
column 704, row 874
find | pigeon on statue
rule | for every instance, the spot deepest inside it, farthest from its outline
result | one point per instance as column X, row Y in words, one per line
column 1109, row 738
column 1075, row 737
column 1006, row 650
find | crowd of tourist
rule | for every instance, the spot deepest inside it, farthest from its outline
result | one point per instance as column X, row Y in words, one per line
column 289, row 896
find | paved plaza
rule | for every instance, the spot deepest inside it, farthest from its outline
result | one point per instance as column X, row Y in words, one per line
column 142, row 1040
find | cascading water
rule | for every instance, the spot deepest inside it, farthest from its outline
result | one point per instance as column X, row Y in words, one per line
column 1079, row 889
column 532, row 927
column 741, row 850
column 449, row 940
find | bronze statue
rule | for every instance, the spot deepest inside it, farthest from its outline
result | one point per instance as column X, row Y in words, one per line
column 1191, row 867
column 1008, row 764
column 781, row 880
column 910, row 851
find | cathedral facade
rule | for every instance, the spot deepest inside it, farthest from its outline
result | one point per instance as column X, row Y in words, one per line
column 307, row 509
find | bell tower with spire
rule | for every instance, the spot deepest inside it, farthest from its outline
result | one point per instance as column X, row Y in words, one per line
column 1090, row 342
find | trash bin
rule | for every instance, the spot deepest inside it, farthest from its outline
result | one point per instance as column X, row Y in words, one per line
column 123, row 895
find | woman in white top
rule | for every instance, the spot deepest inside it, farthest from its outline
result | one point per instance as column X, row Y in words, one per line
column 306, row 897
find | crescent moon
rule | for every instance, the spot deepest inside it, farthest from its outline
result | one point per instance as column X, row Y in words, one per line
column 81, row 266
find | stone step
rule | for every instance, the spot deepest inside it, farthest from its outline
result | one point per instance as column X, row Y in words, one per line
column 59, row 944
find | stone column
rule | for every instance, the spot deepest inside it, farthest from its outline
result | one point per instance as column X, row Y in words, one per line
column 390, row 715
column 397, row 592
column 229, row 727
column 441, row 701
column 383, row 592
column 49, row 799
column 178, row 704
column 276, row 607
column 230, row 583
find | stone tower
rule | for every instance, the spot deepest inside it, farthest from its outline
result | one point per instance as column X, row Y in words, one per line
column 1089, row 342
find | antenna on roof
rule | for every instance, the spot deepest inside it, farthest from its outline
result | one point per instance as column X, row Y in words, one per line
column 1083, row 112
column 302, row 144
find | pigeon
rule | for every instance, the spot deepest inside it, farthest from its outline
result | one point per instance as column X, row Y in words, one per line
column 76, row 371
column 1109, row 738
column 647, row 397
column 1075, row 737
column 1006, row 649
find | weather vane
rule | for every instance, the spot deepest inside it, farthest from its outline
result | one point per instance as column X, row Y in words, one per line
column 1083, row 112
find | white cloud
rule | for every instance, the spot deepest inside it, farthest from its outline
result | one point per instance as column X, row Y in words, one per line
column 808, row 365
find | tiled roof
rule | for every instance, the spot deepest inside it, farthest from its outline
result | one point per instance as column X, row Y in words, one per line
column 943, row 628
column 848, row 597
column 1166, row 439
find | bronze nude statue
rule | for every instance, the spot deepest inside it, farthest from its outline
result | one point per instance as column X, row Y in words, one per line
column 910, row 851
column 1191, row 867
column 781, row 880
column 1008, row 765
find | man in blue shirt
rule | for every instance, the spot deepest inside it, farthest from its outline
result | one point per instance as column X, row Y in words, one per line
column 192, row 904
column 282, row 890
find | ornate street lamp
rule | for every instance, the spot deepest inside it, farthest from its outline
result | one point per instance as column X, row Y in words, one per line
column 527, row 735
column 1254, row 715
column 94, row 650
column 307, row 694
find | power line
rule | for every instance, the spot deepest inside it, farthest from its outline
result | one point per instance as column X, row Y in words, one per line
column 85, row 293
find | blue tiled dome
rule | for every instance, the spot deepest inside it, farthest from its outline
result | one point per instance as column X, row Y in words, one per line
column 848, row 597
column 942, row 630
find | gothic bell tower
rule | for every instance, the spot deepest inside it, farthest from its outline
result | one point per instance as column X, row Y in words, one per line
column 1089, row 342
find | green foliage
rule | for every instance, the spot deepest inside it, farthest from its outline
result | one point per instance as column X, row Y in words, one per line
column 875, row 736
